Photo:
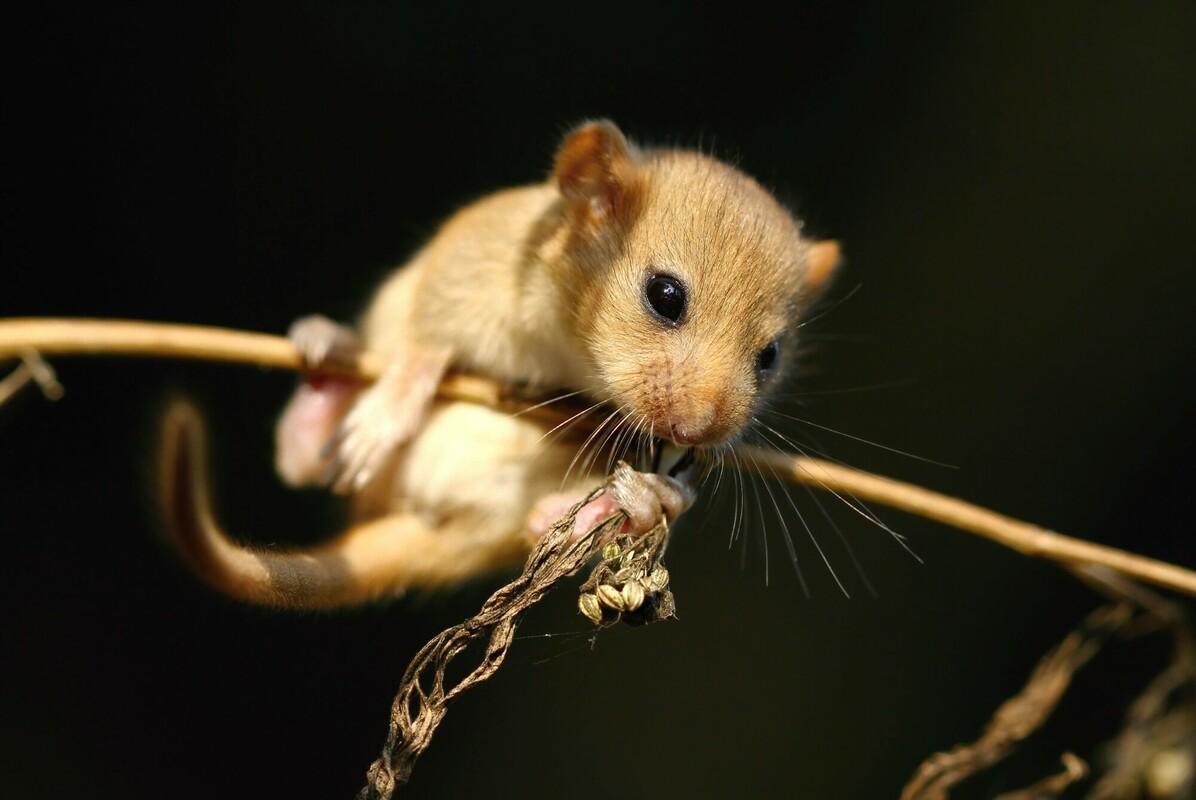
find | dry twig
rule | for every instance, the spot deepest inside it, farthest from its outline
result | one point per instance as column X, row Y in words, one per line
column 1023, row 713
column 1074, row 769
column 1155, row 753
column 420, row 706
column 117, row 337
column 32, row 369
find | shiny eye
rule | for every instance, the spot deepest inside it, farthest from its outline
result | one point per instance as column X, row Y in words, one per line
column 665, row 297
column 766, row 359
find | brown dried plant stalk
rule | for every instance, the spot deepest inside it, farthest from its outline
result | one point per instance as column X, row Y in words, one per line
column 56, row 336
column 422, row 699
column 1155, row 750
column 1023, row 713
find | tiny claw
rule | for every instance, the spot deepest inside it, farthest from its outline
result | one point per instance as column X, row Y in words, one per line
column 647, row 498
column 322, row 342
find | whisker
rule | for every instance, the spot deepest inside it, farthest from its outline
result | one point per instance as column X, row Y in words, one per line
column 834, row 307
column 862, row 440
column 857, row 506
column 570, row 420
column 805, row 450
column 600, row 446
column 788, row 537
column 586, row 443
column 814, row 539
column 557, row 399
column 618, row 447
column 830, row 520
column 859, row 568
column 721, row 462
column 763, row 531
column 736, row 514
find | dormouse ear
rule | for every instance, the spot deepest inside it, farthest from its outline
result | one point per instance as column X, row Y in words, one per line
column 595, row 169
column 822, row 260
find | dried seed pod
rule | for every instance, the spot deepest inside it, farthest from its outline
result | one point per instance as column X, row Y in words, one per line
column 633, row 595
column 588, row 605
column 610, row 597
column 601, row 574
column 611, row 551
column 659, row 579
column 622, row 576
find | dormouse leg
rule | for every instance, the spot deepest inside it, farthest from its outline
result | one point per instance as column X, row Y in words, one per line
column 310, row 418
column 385, row 416
column 382, row 557
column 645, row 497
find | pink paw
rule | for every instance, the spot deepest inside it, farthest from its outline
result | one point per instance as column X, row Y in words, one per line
column 645, row 498
column 322, row 342
column 648, row 498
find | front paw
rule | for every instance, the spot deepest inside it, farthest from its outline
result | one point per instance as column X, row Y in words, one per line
column 647, row 498
column 386, row 416
column 365, row 441
column 322, row 343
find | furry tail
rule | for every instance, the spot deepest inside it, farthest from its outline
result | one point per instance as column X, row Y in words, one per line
column 382, row 557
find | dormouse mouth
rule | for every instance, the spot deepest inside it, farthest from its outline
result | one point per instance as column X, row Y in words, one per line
column 671, row 459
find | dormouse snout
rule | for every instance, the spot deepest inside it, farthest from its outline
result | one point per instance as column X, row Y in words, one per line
column 695, row 416
column 694, row 429
column 693, row 432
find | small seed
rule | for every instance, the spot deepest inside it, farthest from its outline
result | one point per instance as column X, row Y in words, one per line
column 633, row 595
column 587, row 604
column 610, row 597
column 611, row 551
column 622, row 576
column 659, row 579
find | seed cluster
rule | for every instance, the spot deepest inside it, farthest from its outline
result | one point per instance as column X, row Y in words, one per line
column 629, row 583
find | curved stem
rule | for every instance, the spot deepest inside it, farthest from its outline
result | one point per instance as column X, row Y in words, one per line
column 95, row 337
column 1024, row 537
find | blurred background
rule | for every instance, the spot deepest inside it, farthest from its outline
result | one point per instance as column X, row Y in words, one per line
column 1012, row 185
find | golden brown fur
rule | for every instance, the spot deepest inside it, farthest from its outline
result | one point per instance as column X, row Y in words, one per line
column 540, row 286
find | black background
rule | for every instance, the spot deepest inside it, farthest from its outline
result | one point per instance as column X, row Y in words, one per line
column 1013, row 188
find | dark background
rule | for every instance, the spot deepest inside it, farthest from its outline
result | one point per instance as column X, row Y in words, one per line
column 1013, row 188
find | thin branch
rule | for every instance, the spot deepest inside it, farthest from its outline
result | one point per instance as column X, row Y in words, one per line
column 32, row 369
column 1027, row 539
column 1022, row 714
column 129, row 338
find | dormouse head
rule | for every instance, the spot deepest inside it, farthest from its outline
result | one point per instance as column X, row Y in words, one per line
column 687, row 280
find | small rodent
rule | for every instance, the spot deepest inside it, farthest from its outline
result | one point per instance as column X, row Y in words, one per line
column 663, row 282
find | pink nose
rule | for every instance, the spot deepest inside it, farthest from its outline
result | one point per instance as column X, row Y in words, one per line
column 697, row 428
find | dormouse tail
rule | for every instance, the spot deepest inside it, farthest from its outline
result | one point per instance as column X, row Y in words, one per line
column 378, row 558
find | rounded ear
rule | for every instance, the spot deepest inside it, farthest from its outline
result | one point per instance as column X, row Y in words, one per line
column 822, row 260
column 595, row 168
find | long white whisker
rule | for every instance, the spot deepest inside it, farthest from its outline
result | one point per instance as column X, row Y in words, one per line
column 586, row 443
column 556, row 399
column 571, row 419
column 859, row 568
column 588, row 464
column 833, row 307
column 784, row 529
column 737, row 511
column 862, row 440
column 830, row 520
column 763, row 531
column 857, row 506
column 814, row 539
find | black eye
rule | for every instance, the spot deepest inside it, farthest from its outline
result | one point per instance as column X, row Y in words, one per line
column 665, row 296
column 766, row 359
